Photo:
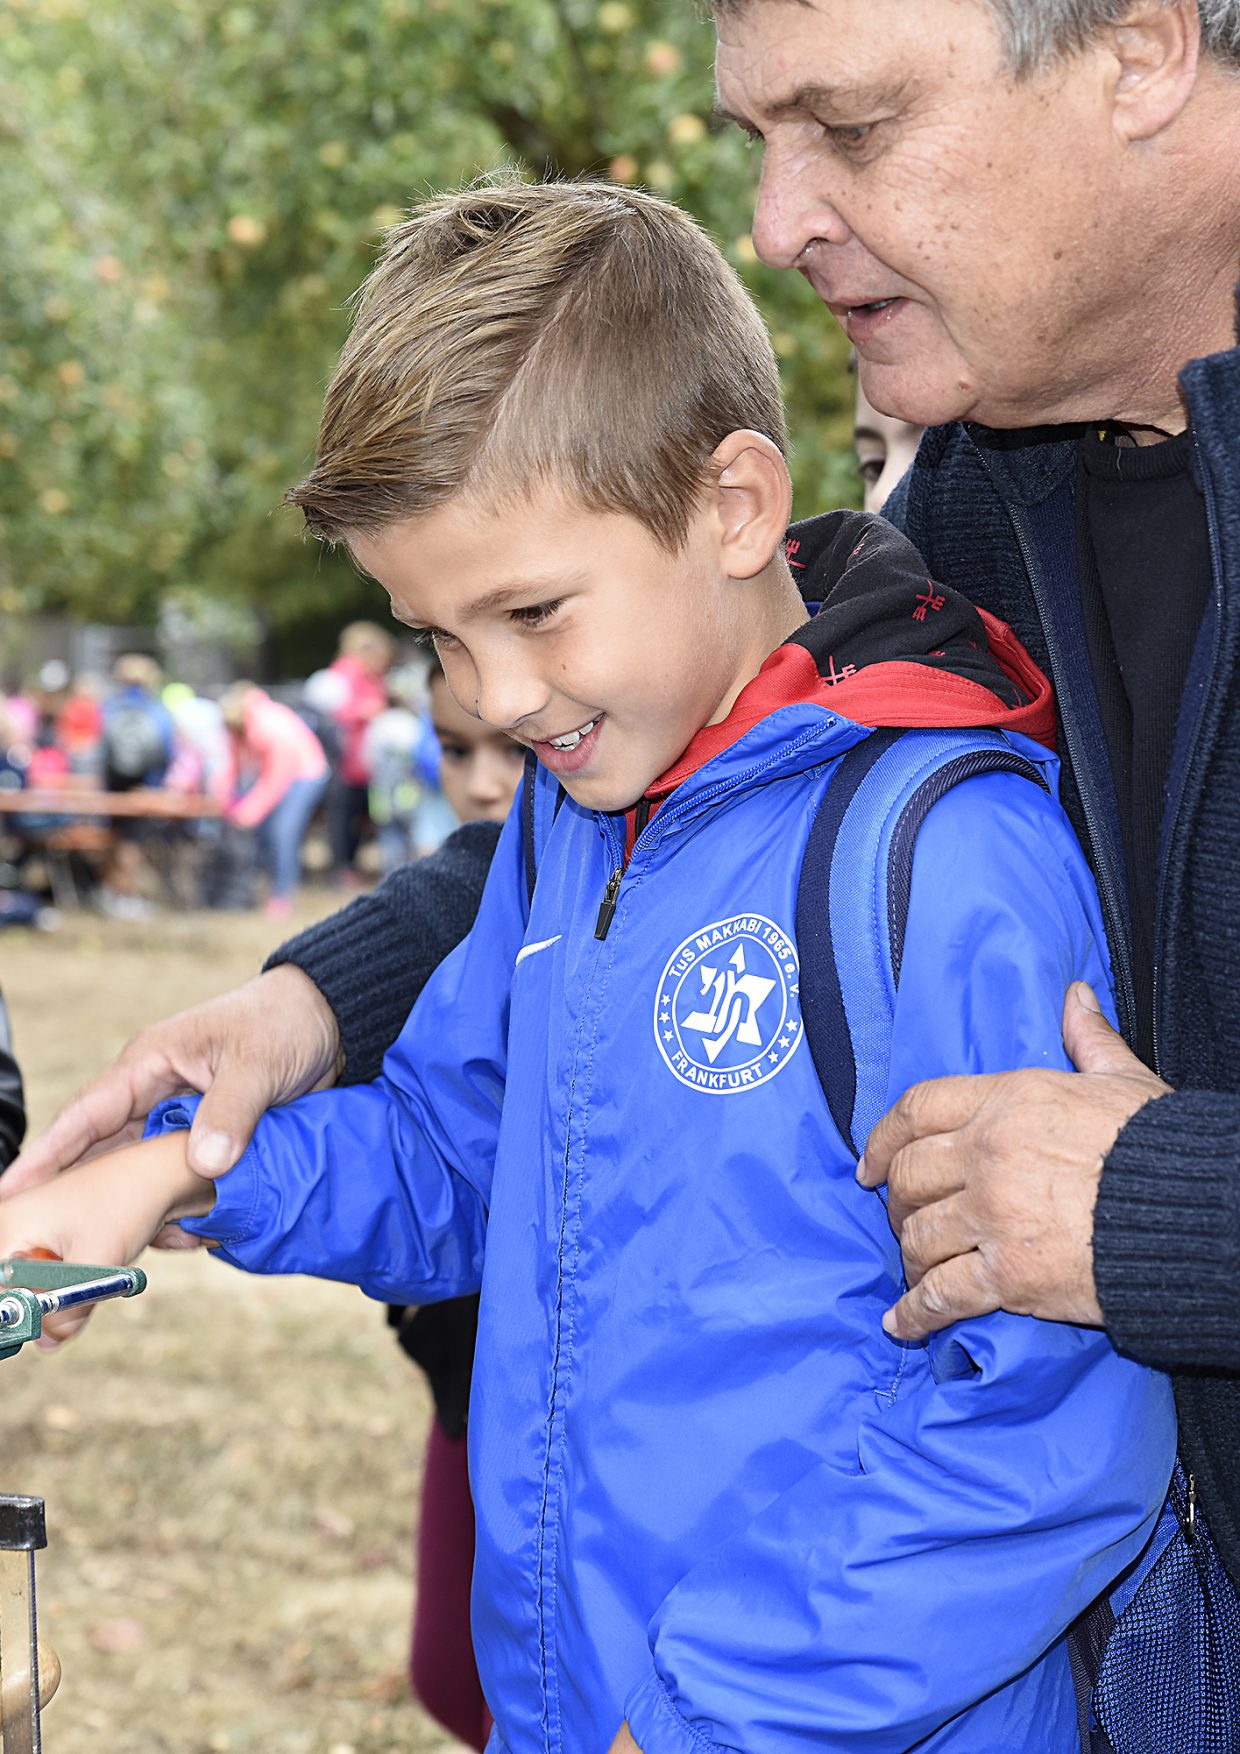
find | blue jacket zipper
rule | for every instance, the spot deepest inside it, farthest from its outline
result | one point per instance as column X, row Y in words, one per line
column 671, row 812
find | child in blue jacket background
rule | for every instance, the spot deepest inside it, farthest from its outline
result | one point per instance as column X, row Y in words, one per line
column 717, row 1506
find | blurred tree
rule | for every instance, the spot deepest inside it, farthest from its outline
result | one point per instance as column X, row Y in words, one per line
column 189, row 191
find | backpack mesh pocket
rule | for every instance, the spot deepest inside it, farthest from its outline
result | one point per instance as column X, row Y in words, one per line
column 1170, row 1676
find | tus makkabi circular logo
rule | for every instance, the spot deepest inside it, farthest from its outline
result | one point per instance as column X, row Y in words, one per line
column 727, row 1013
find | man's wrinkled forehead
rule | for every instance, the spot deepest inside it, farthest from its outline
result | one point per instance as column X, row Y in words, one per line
column 761, row 60
column 792, row 57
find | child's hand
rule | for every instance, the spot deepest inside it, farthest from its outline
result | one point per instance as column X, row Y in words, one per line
column 105, row 1212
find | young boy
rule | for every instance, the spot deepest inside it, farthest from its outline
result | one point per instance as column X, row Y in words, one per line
column 718, row 1508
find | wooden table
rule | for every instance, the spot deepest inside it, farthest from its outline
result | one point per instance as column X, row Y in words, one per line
column 85, row 819
column 152, row 803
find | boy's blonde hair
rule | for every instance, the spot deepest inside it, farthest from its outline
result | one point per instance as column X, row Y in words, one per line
column 573, row 335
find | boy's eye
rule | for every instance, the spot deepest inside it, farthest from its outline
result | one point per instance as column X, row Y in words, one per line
column 435, row 637
column 453, row 751
column 535, row 615
column 870, row 469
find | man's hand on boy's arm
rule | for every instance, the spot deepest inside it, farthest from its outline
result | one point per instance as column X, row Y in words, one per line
column 107, row 1211
column 993, row 1180
column 271, row 1040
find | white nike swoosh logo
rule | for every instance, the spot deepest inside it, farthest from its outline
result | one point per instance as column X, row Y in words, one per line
column 533, row 949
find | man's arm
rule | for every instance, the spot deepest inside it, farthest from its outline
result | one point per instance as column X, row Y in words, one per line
column 330, row 1004
column 387, row 1185
column 372, row 959
column 1056, row 1194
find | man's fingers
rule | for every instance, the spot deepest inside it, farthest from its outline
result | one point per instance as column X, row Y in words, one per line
column 942, row 1105
column 935, row 1234
column 957, row 1289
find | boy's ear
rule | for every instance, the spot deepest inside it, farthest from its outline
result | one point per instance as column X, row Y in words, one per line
column 1156, row 47
column 753, row 501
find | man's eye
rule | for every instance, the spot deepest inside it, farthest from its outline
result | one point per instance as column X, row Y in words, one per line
column 848, row 137
column 535, row 615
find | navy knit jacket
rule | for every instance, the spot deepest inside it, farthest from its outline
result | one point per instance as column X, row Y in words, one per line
column 993, row 514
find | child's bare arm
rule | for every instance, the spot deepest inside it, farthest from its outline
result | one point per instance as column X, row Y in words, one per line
column 105, row 1212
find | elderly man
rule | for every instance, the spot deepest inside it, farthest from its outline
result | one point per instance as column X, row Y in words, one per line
column 1027, row 218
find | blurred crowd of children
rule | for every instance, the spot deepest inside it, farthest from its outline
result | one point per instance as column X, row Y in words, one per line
column 374, row 751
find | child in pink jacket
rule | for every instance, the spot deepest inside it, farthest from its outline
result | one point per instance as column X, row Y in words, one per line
column 289, row 772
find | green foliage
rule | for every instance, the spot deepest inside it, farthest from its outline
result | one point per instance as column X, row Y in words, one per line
column 189, row 191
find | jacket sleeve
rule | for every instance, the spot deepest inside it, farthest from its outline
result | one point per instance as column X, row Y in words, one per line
column 1167, row 1233
column 372, row 959
column 387, row 1185
column 1019, row 1465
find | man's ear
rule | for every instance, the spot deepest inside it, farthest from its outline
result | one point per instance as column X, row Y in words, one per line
column 753, row 501
column 1156, row 49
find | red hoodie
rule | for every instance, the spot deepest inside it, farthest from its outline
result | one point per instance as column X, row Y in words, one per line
column 886, row 645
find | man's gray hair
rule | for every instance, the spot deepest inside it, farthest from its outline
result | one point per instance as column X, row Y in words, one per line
column 1034, row 31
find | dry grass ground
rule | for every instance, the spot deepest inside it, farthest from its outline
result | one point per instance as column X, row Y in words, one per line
column 230, row 1465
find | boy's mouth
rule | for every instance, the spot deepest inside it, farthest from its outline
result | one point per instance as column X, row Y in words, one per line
column 570, row 752
column 571, row 739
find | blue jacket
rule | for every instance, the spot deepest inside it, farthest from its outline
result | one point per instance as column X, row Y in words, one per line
column 712, row 1496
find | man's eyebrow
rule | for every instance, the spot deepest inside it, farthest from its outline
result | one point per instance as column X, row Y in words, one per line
column 813, row 96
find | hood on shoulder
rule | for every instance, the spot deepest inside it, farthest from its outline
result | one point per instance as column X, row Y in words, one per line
column 886, row 645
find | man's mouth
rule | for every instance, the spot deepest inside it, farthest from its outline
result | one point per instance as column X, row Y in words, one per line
column 571, row 739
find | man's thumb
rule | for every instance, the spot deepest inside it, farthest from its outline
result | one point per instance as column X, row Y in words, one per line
column 1093, row 1045
column 222, row 1127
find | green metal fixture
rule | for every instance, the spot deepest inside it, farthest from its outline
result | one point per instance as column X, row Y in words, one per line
column 30, row 1290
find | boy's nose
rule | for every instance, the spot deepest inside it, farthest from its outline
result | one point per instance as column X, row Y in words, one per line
column 506, row 695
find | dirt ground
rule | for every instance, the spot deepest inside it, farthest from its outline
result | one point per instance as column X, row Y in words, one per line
column 230, row 1465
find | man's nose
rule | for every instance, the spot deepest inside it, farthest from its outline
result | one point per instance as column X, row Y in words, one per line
column 794, row 210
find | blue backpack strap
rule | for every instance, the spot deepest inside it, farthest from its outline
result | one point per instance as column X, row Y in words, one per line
column 853, row 899
column 540, row 805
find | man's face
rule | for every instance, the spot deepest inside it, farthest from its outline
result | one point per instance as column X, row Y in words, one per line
column 962, row 227
column 574, row 632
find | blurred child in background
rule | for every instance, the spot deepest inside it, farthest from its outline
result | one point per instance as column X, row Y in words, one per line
column 885, row 448
column 480, row 770
column 284, row 761
column 364, row 658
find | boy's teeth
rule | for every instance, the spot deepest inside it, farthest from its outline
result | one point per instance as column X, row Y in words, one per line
column 573, row 738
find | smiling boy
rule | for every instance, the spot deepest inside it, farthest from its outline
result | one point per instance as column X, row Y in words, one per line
column 715, row 1501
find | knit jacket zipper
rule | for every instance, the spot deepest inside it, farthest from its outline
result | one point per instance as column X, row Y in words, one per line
column 1176, row 806
column 1108, row 881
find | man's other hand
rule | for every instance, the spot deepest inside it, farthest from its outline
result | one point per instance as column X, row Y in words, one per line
column 992, row 1181
column 265, row 1043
